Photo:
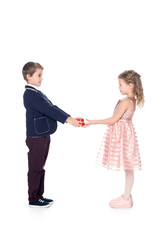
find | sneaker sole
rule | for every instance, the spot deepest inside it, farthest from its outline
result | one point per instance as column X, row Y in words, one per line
column 35, row 206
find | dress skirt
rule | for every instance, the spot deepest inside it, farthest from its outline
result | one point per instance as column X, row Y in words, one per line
column 119, row 148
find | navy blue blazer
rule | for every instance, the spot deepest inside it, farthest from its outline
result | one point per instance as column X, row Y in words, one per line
column 41, row 114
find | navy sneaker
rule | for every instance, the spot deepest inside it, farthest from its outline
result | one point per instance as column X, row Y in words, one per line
column 39, row 204
column 50, row 201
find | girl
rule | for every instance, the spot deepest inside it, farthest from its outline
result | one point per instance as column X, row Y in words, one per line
column 119, row 148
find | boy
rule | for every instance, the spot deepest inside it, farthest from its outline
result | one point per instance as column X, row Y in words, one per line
column 41, row 121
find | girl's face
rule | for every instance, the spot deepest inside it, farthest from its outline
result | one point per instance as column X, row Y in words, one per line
column 124, row 87
column 36, row 78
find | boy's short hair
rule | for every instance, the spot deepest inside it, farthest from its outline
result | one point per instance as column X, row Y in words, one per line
column 30, row 68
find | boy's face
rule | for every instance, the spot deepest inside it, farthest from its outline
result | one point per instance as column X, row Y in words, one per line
column 36, row 78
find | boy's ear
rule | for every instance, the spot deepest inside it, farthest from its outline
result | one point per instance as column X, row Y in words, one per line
column 28, row 76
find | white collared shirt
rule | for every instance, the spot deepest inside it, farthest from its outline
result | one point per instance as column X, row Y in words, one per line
column 31, row 85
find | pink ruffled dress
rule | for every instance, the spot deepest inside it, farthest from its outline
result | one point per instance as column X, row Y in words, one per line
column 119, row 148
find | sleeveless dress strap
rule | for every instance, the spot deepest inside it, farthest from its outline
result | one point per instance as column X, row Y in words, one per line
column 131, row 99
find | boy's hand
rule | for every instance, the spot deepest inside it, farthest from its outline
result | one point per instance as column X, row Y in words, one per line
column 73, row 122
column 81, row 121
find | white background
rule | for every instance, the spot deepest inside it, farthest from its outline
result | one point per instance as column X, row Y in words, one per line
column 83, row 46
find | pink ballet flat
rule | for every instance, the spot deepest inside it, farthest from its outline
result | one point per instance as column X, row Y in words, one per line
column 121, row 202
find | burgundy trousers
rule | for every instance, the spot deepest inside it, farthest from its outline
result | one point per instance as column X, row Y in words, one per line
column 37, row 155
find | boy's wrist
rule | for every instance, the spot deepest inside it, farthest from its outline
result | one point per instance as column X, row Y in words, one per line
column 68, row 119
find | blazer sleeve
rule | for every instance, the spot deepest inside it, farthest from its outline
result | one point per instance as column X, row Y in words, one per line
column 42, row 104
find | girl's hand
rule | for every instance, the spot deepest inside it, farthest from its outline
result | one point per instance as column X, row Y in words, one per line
column 88, row 123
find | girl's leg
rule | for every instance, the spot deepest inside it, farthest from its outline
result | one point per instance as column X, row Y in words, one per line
column 129, row 180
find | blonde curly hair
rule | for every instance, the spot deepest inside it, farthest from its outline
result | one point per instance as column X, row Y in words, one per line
column 133, row 77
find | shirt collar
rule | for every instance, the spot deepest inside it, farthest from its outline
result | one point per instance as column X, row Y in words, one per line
column 30, row 85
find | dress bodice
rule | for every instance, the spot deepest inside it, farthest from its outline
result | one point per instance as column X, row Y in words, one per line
column 128, row 114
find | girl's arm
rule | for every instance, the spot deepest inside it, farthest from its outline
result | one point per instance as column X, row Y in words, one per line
column 127, row 104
